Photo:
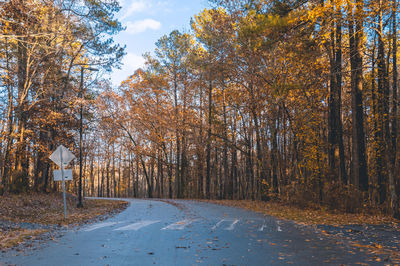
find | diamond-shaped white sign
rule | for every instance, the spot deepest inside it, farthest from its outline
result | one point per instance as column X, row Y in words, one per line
column 64, row 153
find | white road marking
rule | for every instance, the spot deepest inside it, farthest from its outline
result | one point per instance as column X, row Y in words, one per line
column 278, row 226
column 97, row 226
column 230, row 227
column 136, row 226
column 215, row 226
column 178, row 225
column 262, row 227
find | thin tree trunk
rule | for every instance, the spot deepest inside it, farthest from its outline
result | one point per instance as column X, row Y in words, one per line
column 10, row 123
column 91, row 176
column 335, row 134
column 392, row 155
column 170, row 192
column 382, row 111
column 178, row 143
column 226, row 177
column 342, row 164
column 200, row 150
column 359, row 165
column 20, row 157
column 108, row 177
column 209, row 132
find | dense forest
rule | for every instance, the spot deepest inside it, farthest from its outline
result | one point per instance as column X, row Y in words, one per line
column 46, row 51
column 266, row 100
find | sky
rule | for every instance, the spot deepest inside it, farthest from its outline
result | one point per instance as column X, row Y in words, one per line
column 146, row 21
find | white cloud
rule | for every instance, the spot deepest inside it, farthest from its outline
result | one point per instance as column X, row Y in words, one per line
column 135, row 7
column 131, row 62
column 142, row 25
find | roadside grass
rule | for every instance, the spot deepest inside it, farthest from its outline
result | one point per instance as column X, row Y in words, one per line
column 47, row 209
column 308, row 216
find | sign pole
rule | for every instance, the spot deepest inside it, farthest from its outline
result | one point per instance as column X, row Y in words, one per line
column 63, row 185
column 60, row 156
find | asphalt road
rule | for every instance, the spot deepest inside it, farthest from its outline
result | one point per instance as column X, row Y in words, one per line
column 180, row 232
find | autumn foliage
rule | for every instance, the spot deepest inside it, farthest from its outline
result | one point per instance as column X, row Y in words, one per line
column 44, row 46
column 294, row 101
column 287, row 100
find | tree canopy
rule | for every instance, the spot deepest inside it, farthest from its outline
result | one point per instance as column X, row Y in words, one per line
column 287, row 100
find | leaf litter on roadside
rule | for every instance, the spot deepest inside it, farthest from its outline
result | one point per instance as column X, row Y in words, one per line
column 31, row 214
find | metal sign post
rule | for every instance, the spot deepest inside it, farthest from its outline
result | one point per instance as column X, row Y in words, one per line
column 63, row 184
column 62, row 157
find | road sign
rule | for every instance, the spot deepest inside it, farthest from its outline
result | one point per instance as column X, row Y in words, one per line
column 62, row 154
column 67, row 175
column 62, row 157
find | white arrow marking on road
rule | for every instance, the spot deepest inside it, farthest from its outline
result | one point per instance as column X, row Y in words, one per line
column 97, row 226
column 231, row 227
column 136, row 226
column 262, row 227
column 215, row 226
column 178, row 225
column 278, row 227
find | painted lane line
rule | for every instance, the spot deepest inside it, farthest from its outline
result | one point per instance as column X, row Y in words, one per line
column 217, row 224
column 278, row 226
column 136, row 226
column 232, row 226
column 262, row 227
column 98, row 226
column 178, row 225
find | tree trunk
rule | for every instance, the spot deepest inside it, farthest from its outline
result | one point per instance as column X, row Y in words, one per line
column 20, row 156
column 178, row 143
column 359, row 165
column 381, row 111
column 209, row 132
column 336, row 158
column 227, row 192
column 392, row 155
column 10, row 122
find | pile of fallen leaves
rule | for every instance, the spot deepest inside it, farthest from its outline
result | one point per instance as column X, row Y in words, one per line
column 47, row 209
column 307, row 216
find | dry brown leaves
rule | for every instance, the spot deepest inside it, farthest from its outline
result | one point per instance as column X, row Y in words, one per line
column 377, row 251
column 47, row 209
column 306, row 216
column 15, row 237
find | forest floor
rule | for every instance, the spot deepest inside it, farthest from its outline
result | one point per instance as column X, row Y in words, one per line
column 32, row 216
column 375, row 234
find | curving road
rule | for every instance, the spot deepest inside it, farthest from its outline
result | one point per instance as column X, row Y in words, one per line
column 180, row 232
